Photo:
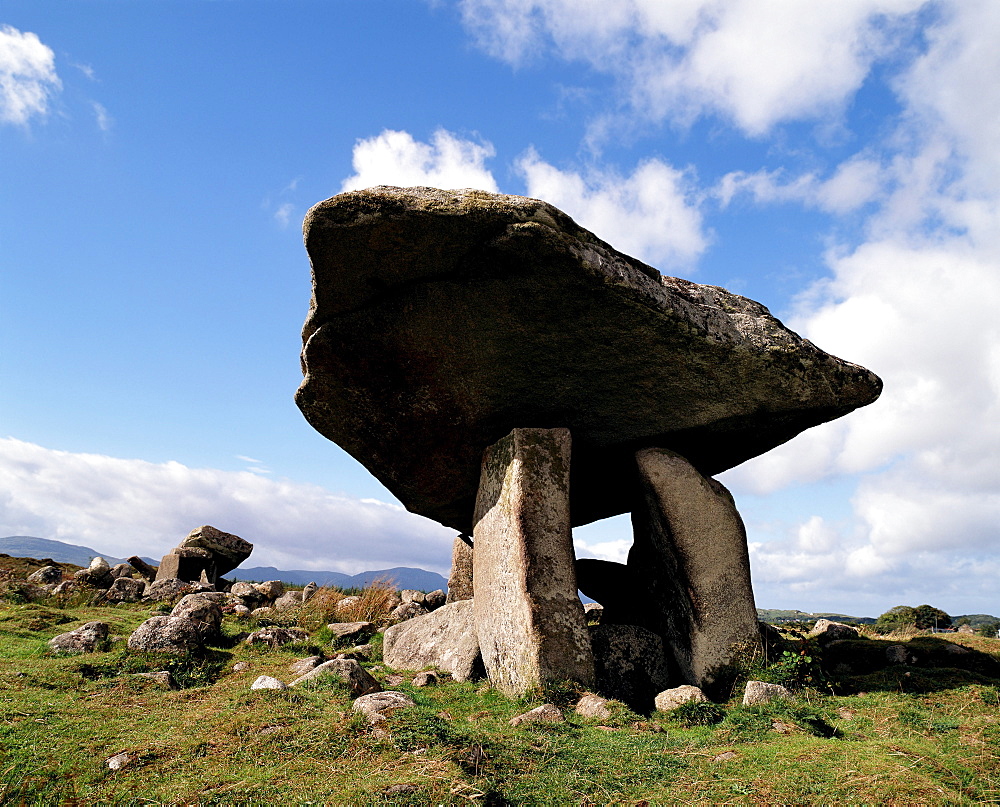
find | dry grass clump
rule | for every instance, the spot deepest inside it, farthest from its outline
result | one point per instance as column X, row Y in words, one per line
column 327, row 605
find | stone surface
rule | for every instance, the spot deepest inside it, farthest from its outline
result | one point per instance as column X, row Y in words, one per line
column 690, row 550
column 304, row 665
column 165, row 589
column 187, row 563
column 126, row 589
column 276, row 637
column 288, row 601
column 97, row 574
column 406, row 610
column 46, row 575
column 527, row 611
column 166, row 634
column 346, row 671
column 85, row 639
column 546, row 713
column 308, row 591
column 759, row 692
column 670, row 699
column 591, row 705
column 434, row 599
column 121, row 570
column 427, row 678
column 268, row 682
column 272, row 589
column 826, row 630
column 379, row 705
column 352, row 630
column 445, row 639
column 593, row 612
column 228, row 550
column 630, row 663
column 411, row 595
column 203, row 612
column 148, row 572
column 161, row 678
column 460, row 579
column 547, row 326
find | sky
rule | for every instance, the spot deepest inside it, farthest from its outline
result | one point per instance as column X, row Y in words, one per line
column 836, row 162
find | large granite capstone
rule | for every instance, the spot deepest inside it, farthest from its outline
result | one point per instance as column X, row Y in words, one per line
column 442, row 320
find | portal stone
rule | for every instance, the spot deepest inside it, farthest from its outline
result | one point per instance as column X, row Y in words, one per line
column 460, row 579
column 527, row 613
column 690, row 547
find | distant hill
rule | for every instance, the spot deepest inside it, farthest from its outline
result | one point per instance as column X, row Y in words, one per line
column 26, row 546
column 776, row 616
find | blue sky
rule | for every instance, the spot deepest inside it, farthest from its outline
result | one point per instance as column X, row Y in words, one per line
column 836, row 162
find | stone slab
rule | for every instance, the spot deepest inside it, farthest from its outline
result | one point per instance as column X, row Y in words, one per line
column 460, row 578
column 445, row 638
column 528, row 616
column 228, row 550
column 441, row 320
column 690, row 547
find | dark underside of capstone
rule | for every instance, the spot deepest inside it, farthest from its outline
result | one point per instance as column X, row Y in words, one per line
column 442, row 320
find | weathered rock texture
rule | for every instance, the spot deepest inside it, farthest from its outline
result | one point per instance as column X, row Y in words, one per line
column 460, row 579
column 690, row 551
column 445, row 638
column 442, row 320
column 631, row 664
column 527, row 613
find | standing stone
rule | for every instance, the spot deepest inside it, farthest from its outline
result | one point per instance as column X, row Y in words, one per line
column 527, row 612
column 143, row 568
column 691, row 549
column 460, row 579
column 186, row 563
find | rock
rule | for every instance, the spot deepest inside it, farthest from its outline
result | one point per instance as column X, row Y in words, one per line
column 276, row 637
column 266, row 611
column 630, row 663
column 547, row 325
column 546, row 713
column 98, row 574
column 241, row 588
column 272, row 589
column 166, row 589
column 760, row 692
column 47, row 575
column 161, row 678
column 190, row 563
column 526, row 607
column 690, row 549
column 771, row 639
column 64, row 587
column 363, row 652
column 445, row 639
column 308, row 591
column 670, row 699
column 144, row 569
column 267, row 682
column 166, row 634
column 241, row 666
column 825, row 631
column 377, row 706
column 406, row 610
column 228, row 550
column 593, row 612
column 427, row 678
column 119, row 761
column 346, row 671
column 304, row 665
column 460, row 579
column 126, row 589
column 288, row 601
column 410, row 595
column 352, row 630
column 85, row 639
column 346, row 603
column 434, row 599
column 241, row 611
column 121, row 570
column 591, row 705
column 203, row 612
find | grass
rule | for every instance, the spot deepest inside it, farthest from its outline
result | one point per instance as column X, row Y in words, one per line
column 878, row 733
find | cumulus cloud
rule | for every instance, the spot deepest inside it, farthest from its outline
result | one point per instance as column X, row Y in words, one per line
column 652, row 214
column 756, row 64
column 124, row 507
column 104, row 120
column 396, row 158
column 27, row 76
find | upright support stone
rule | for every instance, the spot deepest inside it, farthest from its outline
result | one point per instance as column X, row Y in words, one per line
column 460, row 579
column 690, row 546
column 527, row 612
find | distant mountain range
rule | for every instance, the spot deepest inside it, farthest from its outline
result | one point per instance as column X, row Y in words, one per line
column 26, row 546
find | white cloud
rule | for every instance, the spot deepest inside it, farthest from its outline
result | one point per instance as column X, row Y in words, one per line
column 104, row 120
column 283, row 215
column 125, row 507
column 652, row 215
column 27, row 76
column 396, row 158
column 757, row 64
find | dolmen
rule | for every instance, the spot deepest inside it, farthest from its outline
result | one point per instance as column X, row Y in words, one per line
column 505, row 372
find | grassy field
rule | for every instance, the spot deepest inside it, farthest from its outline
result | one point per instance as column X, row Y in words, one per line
column 862, row 732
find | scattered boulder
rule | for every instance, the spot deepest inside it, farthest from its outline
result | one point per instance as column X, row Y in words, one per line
column 287, row 601
column 377, row 706
column 121, row 570
column 407, row 610
column 85, row 639
column 591, row 705
column 546, row 713
column 167, row 634
column 165, row 589
column 411, row 595
column 898, row 654
column 264, row 611
column 304, row 665
column 358, row 631
column 425, row 679
column 434, row 599
column 276, row 637
column 241, row 588
column 161, row 678
column 203, row 612
column 146, row 571
column 267, row 682
column 445, row 639
column 760, row 692
column 346, row 603
column 670, row 699
column 126, row 589
column 308, row 591
column 825, row 631
column 119, row 761
column 271, row 590
column 346, row 671
column 47, row 575
column 98, row 574
column 240, row 611
column 630, row 664
column 362, row 652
